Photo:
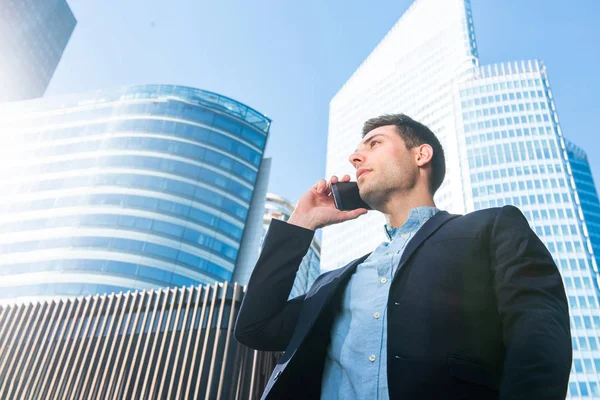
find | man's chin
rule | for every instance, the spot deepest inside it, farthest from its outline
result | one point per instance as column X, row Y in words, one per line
column 371, row 196
column 366, row 195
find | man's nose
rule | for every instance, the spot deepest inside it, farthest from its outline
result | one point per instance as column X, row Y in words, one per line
column 356, row 158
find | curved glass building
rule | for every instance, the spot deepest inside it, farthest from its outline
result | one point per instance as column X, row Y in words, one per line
column 132, row 188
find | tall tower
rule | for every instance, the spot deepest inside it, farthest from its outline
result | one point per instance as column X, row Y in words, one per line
column 412, row 70
column 130, row 188
column 33, row 36
column 504, row 145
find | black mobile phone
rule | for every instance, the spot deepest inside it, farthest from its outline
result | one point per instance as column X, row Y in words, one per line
column 347, row 197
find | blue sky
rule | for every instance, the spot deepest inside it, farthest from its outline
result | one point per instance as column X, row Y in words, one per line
column 287, row 59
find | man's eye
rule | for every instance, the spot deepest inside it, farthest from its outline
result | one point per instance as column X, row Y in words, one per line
column 373, row 142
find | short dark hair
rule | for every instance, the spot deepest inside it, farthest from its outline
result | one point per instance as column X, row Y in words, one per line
column 414, row 134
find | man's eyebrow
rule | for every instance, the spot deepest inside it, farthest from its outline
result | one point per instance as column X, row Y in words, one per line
column 368, row 139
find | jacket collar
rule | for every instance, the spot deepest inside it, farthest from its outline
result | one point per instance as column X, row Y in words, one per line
column 428, row 229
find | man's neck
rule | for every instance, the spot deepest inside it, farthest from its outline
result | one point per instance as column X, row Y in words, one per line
column 397, row 209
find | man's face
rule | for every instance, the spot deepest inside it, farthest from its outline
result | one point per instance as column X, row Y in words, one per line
column 384, row 166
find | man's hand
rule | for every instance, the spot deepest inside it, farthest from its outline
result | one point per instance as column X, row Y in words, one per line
column 316, row 208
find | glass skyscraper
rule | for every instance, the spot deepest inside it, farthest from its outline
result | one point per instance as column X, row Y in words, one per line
column 254, row 230
column 33, row 36
column 586, row 194
column 132, row 188
column 504, row 145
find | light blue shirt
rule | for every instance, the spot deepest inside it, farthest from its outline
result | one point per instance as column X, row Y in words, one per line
column 356, row 362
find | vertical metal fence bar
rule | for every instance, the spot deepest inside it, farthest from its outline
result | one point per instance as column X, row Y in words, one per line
column 181, row 300
column 112, row 316
column 63, row 350
column 36, row 348
column 69, row 306
column 150, row 364
column 23, row 360
column 7, row 317
column 91, row 370
column 175, row 297
column 15, row 337
column 119, row 367
column 253, row 373
column 196, row 343
column 68, row 365
column 79, row 363
column 190, row 292
column 230, row 323
column 143, row 364
column 113, row 341
column 213, row 359
column 242, row 373
column 133, row 370
column 206, row 339
column 199, row 292
column 12, row 353
column 54, row 325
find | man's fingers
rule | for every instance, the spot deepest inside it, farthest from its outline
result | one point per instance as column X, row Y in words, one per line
column 324, row 187
column 320, row 185
column 334, row 179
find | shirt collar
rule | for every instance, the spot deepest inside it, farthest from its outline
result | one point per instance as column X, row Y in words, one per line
column 416, row 218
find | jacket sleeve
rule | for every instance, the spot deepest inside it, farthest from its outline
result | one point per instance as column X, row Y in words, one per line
column 534, row 311
column 266, row 319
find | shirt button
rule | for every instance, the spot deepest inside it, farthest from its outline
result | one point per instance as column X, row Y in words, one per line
column 376, row 315
column 372, row 357
column 383, row 280
column 403, row 236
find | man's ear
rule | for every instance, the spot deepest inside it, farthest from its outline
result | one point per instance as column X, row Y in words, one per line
column 424, row 154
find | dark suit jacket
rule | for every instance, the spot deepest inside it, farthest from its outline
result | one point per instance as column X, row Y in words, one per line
column 477, row 310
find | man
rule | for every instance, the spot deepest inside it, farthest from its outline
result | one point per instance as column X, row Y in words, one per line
column 453, row 307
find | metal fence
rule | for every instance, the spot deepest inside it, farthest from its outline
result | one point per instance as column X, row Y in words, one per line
column 160, row 344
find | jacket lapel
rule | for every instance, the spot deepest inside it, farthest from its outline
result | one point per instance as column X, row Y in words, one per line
column 316, row 299
column 428, row 229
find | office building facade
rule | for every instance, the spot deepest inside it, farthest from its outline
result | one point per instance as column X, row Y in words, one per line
column 159, row 344
column 33, row 37
column 503, row 143
column 132, row 188
column 413, row 70
column 586, row 194
column 254, row 230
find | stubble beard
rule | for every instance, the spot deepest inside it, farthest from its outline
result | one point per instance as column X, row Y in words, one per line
column 377, row 192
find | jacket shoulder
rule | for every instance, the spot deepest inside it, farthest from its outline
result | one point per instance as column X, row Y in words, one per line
column 481, row 223
column 490, row 214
